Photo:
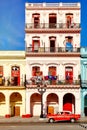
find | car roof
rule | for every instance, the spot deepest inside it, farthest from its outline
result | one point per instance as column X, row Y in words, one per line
column 66, row 111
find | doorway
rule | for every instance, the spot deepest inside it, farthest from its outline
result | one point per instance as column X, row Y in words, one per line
column 16, row 111
column 52, row 45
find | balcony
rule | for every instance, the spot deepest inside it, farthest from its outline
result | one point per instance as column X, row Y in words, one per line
column 52, row 51
column 84, row 83
column 83, row 51
column 51, row 5
column 55, row 84
column 6, row 83
column 51, row 26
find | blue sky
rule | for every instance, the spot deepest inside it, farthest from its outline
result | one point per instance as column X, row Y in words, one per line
column 12, row 22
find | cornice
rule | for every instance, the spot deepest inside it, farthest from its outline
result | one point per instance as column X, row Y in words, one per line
column 53, row 30
column 52, row 55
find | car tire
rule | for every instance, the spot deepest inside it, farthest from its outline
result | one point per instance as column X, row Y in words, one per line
column 72, row 120
column 51, row 120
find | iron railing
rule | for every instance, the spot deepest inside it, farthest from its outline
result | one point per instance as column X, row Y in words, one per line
column 84, row 83
column 54, row 82
column 52, row 26
column 53, row 5
column 51, row 49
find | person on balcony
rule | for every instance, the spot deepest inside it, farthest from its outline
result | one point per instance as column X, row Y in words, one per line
column 68, row 44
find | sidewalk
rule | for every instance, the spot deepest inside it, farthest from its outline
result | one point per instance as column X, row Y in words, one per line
column 32, row 119
column 20, row 119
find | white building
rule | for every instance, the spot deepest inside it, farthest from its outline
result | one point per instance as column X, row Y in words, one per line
column 52, row 38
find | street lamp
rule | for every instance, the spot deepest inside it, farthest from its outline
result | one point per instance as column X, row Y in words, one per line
column 41, row 90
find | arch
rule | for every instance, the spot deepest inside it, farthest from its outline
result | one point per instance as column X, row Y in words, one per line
column 36, row 38
column 35, row 14
column 52, row 64
column 15, row 96
column 2, row 104
column 69, row 102
column 2, row 98
column 69, row 64
column 15, row 103
column 52, row 103
column 35, row 104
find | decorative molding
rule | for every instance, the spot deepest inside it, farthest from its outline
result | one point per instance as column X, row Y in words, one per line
column 62, row 30
column 34, row 64
column 52, row 64
column 65, row 63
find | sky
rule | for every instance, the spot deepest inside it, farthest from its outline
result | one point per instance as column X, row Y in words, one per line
column 12, row 22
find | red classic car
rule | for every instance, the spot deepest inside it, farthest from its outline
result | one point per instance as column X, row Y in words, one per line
column 63, row 116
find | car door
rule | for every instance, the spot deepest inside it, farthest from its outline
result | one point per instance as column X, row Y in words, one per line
column 60, row 116
column 67, row 116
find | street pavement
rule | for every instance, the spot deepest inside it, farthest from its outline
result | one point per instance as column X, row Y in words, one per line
column 32, row 119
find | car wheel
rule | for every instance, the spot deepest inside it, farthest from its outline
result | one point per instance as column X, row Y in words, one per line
column 51, row 120
column 72, row 120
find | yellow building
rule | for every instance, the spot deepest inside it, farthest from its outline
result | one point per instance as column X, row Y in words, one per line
column 12, row 83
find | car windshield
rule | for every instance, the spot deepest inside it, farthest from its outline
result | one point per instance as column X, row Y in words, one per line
column 60, row 113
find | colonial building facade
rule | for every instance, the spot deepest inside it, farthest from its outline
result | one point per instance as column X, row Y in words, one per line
column 52, row 38
column 84, row 81
column 12, row 78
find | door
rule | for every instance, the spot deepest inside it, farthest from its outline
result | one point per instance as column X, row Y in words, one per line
column 52, row 45
column 35, row 45
column 52, row 20
column 15, row 81
column 37, row 109
column 50, row 110
column 17, row 111
column 36, row 22
column 69, row 74
column 85, row 111
column 15, row 73
column 67, row 106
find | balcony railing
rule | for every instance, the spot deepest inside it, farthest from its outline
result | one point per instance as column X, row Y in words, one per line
column 52, row 5
column 52, row 26
column 6, row 82
column 52, row 49
column 57, row 84
column 84, row 83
